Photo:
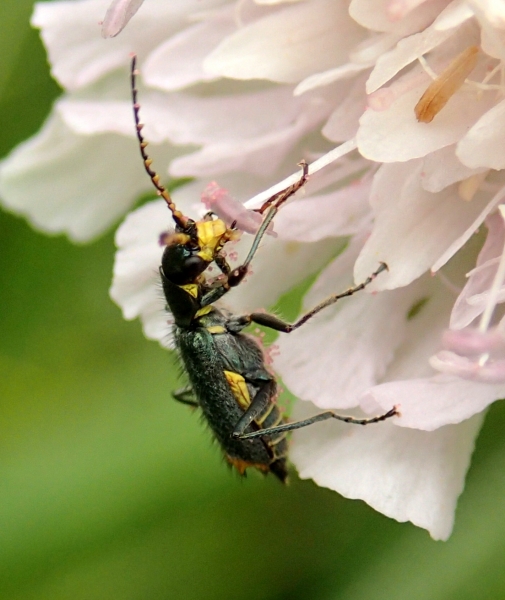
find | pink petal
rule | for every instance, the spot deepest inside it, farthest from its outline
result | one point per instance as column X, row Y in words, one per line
column 472, row 341
column 450, row 363
column 472, row 227
column 441, row 400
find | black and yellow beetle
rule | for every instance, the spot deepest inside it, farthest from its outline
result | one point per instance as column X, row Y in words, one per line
column 228, row 379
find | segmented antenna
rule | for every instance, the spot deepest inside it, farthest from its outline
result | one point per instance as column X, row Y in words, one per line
column 180, row 220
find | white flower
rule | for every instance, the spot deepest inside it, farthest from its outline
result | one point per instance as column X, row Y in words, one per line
column 240, row 91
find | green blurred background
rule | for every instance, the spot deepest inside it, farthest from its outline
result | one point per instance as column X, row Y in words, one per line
column 110, row 490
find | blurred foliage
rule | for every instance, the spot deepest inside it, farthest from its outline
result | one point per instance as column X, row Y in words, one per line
column 110, row 490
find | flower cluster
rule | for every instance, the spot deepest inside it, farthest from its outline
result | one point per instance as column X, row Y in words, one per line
column 240, row 91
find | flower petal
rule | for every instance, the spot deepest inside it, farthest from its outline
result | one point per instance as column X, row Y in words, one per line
column 407, row 475
column 334, row 358
column 435, row 402
column 375, row 15
column 341, row 213
column 483, row 145
column 480, row 279
column 79, row 56
column 425, row 226
column 177, row 63
column 442, row 168
column 74, row 184
column 344, row 121
column 395, row 134
column 117, row 16
column 288, row 45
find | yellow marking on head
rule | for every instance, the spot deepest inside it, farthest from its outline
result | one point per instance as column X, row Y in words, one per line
column 211, row 237
column 238, row 388
column 191, row 288
column 216, row 329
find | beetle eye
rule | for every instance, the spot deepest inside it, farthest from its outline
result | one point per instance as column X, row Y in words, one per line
column 182, row 265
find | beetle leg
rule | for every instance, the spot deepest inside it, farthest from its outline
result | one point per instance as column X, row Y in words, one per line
column 185, row 395
column 329, row 414
column 236, row 324
column 257, row 407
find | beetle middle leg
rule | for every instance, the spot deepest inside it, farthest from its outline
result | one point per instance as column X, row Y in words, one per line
column 236, row 324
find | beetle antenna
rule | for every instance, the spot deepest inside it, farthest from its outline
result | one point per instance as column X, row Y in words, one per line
column 178, row 217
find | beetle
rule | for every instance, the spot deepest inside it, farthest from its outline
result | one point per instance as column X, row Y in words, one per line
column 226, row 369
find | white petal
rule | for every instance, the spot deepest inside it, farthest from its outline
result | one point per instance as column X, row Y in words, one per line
column 405, row 474
column 386, row 182
column 177, row 62
column 278, row 266
column 442, row 168
column 321, row 79
column 74, row 184
column 288, row 45
column 135, row 286
column 79, row 55
column 487, row 206
column 480, row 280
column 396, row 135
column 374, row 14
column 117, row 16
column 190, row 119
column 441, row 400
column 483, row 145
column 407, row 50
column 456, row 13
column 334, row 358
column 344, row 121
column 261, row 154
column 341, row 213
column 424, row 227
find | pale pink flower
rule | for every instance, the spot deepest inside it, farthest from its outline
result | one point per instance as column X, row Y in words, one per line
column 239, row 92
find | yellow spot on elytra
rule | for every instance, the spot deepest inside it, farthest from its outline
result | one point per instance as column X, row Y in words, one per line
column 238, row 388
